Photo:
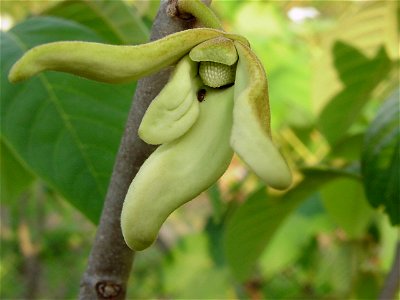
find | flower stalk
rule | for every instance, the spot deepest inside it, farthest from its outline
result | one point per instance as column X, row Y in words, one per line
column 201, row 12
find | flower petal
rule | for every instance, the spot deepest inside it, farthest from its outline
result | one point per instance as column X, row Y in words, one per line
column 176, row 108
column 109, row 63
column 219, row 50
column 251, row 138
column 179, row 171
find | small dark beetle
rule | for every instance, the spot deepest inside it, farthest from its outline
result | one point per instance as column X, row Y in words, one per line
column 201, row 95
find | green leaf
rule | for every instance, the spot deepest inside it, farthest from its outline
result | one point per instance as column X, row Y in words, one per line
column 66, row 129
column 254, row 223
column 381, row 159
column 14, row 177
column 113, row 20
column 345, row 202
column 214, row 195
column 190, row 273
column 287, row 245
column 334, row 268
column 388, row 237
column 366, row 27
column 344, row 109
column 367, row 286
column 349, row 148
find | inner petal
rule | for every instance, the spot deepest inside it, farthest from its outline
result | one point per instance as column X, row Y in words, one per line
column 219, row 50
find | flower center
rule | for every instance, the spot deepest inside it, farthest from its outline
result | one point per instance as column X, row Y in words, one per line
column 215, row 74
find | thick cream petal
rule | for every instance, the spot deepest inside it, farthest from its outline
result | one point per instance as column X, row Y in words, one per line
column 251, row 138
column 109, row 63
column 176, row 107
column 179, row 171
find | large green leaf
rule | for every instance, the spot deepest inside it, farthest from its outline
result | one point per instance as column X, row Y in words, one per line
column 253, row 224
column 66, row 129
column 214, row 195
column 381, row 159
column 292, row 238
column 345, row 203
column 360, row 77
column 113, row 20
column 14, row 177
column 349, row 148
column 190, row 273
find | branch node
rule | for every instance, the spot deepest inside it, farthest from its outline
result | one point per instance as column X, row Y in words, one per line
column 173, row 12
column 108, row 289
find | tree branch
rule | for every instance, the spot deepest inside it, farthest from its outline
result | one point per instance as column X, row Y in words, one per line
column 392, row 282
column 110, row 259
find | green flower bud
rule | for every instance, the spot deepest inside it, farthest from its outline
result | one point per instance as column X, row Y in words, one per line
column 216, row 74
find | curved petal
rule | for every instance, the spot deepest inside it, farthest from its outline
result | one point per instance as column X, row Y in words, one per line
column 251, row 138
column 176, row 108
column 109, row 63
column 220, row 50
column 179, row 171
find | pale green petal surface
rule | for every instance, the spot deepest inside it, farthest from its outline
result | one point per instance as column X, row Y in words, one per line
column 179, row 171
column 109, row 63
column 219, row 50
column 250, row 136
column 175, row 109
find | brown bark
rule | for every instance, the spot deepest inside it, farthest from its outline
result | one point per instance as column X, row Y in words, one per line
column 110, row 259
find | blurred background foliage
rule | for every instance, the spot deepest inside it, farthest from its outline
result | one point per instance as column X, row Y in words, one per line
column 333, row 76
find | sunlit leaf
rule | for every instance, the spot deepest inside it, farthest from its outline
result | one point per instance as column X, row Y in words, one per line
column 367, row 26
column 66, row 129
column 381, row 159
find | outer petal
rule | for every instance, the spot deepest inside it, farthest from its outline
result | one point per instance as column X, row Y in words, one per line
column 251, row 137
column 176, row 108
column 109, row 63
column 179, row 171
